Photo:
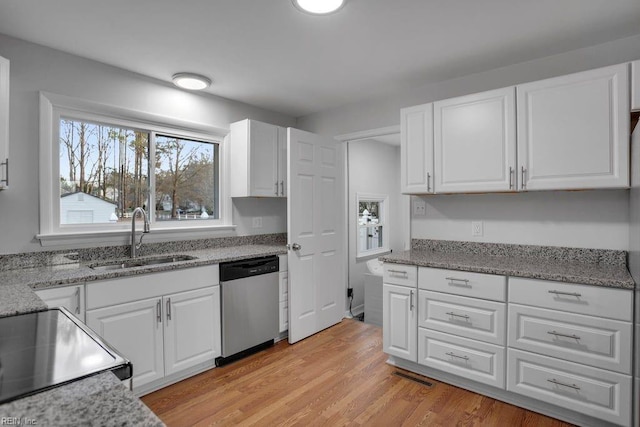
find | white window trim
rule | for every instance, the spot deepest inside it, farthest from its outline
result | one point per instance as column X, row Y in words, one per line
column 384, row 199
column 53, row 106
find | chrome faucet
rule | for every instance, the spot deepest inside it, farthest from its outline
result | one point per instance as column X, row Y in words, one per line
column 134, row 246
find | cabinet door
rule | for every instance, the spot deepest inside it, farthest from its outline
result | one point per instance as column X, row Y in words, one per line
column 635, row 86
column 263, row 164
column 573, row 131
column 192, row 328
column 400, row 322
column 69, row 297
column 4, row 123
column 475, row 142
column 416, row 149
column 135, row 330
column 282, row 161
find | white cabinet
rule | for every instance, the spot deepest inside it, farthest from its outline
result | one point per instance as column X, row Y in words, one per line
column 258, row 159
column 573, row 131
column 165, row 323
column 135, row 330
column 192, row 328
column 475, row 142
column 635, row 86
column 416, row 149
column 4, row 123
column 69, row 297
column 399, row 322
column 283, row 277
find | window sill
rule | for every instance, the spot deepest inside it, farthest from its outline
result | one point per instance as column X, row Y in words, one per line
column 123, row 237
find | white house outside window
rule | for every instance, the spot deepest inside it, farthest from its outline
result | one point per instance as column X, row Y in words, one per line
column 373, row 233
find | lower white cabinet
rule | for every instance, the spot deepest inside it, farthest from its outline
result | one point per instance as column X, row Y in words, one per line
column 69, row 297
column 476, row 360
column 594, row 392
column 135, row 330
column 400, row 321
column 165, row 323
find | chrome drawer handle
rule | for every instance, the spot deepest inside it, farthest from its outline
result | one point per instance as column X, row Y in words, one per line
column 411, row 301
column 456, row 356
column 453, row 281
column 556, row 382
column 523, row 184
column 399, row 272
column 575, row 337
column 464, row 316
column 78, row 300
column 428, row 182
column 571, row 294
column 276, row 188
column 159, row 311
column 168, row 308
column 510, row 177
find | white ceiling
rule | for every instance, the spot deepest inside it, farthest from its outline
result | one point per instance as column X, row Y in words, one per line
column 269, row 54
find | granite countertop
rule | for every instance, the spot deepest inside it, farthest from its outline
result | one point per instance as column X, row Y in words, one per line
column 98, row 400
column 572, row 270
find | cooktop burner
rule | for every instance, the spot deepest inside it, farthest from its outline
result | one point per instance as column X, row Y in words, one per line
column 45, row 349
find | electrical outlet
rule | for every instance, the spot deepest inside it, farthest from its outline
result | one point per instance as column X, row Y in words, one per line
column 477, row 230
column 419, row 207
column 349, row 292
column 257, row 222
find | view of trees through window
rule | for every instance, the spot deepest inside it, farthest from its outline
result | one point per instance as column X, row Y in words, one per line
column 104, row 175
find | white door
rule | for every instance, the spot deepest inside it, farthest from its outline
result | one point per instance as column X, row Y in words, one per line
column 135, row 330
column 192, row 328
column 315, row 228
column 573, row 131
column 69, row 297
column 282, row 161
column 399, row 321
column 475, row 142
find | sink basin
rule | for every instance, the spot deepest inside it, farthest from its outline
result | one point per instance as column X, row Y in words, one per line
column 130, row 263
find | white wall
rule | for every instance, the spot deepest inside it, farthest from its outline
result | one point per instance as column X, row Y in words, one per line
column 584, row 219
column 35, row 68
column 374, row 167
column 273, row 212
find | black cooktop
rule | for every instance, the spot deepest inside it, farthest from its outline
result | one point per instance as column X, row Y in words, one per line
column 46, row 349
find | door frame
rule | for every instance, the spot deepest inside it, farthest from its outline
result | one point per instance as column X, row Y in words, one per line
column 344, row 139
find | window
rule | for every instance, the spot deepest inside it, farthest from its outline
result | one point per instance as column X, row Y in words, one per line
column 104, row 165
column 373, row 234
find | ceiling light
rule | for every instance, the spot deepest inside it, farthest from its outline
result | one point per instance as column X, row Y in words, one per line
column 191, row 81
column 319, row 7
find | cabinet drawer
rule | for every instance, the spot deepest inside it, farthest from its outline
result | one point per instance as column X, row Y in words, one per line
column 468, row 317
column 594, row 392
column 400, row 274
column 476, row 285
column 602, row 343
column 471, row 359
column 104, row 293
column 583, row 299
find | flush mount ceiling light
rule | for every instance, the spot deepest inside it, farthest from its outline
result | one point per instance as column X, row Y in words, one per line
column 191, row 81
column 319, row 7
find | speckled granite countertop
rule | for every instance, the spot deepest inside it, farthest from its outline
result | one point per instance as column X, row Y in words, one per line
column 100, row 400
column 590, row 267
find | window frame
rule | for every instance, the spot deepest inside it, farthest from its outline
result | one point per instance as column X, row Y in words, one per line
column 54, row 107
column 383, row 200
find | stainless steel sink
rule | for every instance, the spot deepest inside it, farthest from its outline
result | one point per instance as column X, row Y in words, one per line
column 121, row 265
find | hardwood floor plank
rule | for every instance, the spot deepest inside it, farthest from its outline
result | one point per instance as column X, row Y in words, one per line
column 338, row 377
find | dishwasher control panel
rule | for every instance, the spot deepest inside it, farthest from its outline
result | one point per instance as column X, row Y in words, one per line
column 247, row 268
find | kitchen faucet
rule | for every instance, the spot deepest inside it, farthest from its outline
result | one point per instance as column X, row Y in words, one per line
column 145, row 229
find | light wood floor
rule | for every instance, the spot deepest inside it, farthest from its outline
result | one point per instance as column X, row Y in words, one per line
column 337, row 377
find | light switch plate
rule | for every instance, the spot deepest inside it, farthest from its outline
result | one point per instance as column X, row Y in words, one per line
column 477, row 229
column 257, row 222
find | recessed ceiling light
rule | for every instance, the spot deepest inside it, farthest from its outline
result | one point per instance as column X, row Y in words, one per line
column 319, row 7
column 191, row 81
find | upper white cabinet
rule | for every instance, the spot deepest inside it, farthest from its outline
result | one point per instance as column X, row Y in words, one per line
column 416, row 139
column 573, row 131
column 258, row 159
column 475, row 142
column 4, row 123
column 635, row 86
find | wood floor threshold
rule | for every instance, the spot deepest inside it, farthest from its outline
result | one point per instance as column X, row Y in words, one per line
column 338, row 377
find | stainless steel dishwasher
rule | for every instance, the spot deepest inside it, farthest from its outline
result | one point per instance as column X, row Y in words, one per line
column 249, row 302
